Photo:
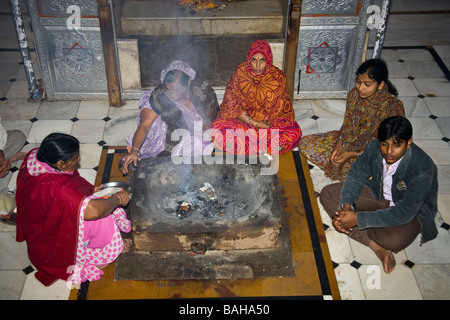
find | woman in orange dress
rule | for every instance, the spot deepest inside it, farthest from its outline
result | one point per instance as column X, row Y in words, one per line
column 256, row 115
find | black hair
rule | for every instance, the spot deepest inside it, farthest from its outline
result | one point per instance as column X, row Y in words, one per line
column 398, row 128
column 58, row 146
column 173, row 75
column 377, row 70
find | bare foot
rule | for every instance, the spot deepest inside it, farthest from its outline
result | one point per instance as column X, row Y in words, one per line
column 127, row 245
column 386, row 256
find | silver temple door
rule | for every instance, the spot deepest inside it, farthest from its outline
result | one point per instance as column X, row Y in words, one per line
column 69, row 47
column 330, row 47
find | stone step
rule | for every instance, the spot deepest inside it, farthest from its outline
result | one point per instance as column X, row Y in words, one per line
column 162, row 17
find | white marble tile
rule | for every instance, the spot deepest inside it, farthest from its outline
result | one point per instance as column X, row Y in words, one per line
column 9, row 70
column 444, row 207
column 302, row 104
column 444, row 178
column 88, row 131
column 329, row 108
column 18, row 90
column 423, row 69
column 415, row 54
column 439, row 106
column 12, row 185
column 438, row 150
column 11, row 284
column 122, row 123
column 22, row 125
column 396, row 70
column 10, row 57
column 18, row 109
column 42, row 128
column 443, row 51
column 389, row 55
column 4, row 87
column 131, row 105
column 90, row 155
column 88, row 174
column 324, row 216
column 433, row 87
column 400, row 284
column 302, row 113
column 434, row 251
column 339, row 246
column 14, row 255
column 34, row 290
column 415, row 107
column 433, row 281
column 405, row 87
column 319, row 179
column 58, row 110
column 307, row 125
column 444, row 124
column 365, row 255
column 349, row 283
column 93, row 109
column 425, row 129
column 329, row 124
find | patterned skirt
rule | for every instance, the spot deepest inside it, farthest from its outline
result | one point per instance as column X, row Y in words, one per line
column 317, row 149
column 234, row 136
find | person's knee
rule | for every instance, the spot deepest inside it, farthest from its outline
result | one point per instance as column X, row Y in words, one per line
column 330, row 198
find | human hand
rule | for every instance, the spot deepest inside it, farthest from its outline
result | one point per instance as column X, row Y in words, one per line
column 124, row 198
column 342, row 158
column 99, row 188
column 5, row 165
column 129, row 158
column 346, row 219
column 337, row 150
column 262, row 124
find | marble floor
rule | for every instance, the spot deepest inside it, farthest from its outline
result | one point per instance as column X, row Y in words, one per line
column 422, row 272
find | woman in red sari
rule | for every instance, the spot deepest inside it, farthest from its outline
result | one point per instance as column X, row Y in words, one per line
column 256, row 115
column 69, row 231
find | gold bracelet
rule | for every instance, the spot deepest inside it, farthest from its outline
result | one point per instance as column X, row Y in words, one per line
column 136, row 148
column 120, row 199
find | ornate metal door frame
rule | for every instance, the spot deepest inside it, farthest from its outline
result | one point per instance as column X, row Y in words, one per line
column 69, row 47
column 330, row 47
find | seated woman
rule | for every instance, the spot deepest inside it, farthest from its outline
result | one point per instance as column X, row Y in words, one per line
column 256, row 97
column 181, row 101
column 372, row 100
column 70, row 232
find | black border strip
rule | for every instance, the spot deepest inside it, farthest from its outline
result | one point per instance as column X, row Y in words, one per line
column 108, row 165
column 440, row 63
column 320, row 262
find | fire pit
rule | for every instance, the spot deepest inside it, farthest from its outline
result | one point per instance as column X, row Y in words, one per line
column 208, row 206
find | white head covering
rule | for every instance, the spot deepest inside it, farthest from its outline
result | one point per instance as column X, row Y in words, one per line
column 178, row 65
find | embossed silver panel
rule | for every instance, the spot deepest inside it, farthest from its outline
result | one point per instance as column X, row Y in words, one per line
column 332, row 7
column 330, row 47
column 71, row 60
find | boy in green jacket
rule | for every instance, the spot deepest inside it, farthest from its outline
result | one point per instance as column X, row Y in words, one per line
column 389, row 195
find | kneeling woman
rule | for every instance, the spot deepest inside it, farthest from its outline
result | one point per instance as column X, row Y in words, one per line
column 256, row 97
column 70, row 232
